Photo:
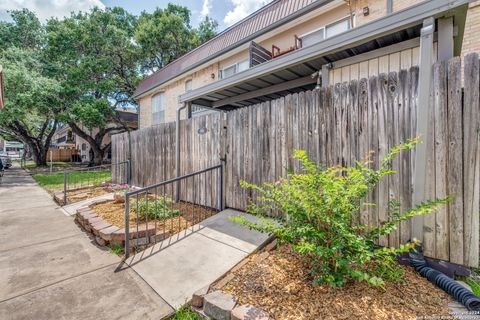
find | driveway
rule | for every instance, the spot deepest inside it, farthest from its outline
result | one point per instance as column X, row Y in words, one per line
column 51, row 269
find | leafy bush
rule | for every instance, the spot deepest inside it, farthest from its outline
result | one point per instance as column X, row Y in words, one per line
column 162, row 208
column 321, row 208
column 185, row 313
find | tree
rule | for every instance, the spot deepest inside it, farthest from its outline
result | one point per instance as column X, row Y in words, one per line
column 97, row 65
column 25, row 31
column 31, row 101
column 207, row 29
column 166, row 34
column 31, row 97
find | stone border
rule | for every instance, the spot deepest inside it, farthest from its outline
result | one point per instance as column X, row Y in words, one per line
column 107, row 234
column 210, row 302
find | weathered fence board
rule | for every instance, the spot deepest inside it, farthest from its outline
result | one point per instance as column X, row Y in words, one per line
column 471, row 156
column 338, row 125
column 454, row 163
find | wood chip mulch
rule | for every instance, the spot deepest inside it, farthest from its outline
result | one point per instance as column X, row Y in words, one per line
column 85, row 193
column 114, row 213
column 281, row 285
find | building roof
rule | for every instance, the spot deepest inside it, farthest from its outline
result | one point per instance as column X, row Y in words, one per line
column 272, row 15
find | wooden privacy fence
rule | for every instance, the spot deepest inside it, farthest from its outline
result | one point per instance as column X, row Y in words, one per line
column 56, row 154
column 340, row 125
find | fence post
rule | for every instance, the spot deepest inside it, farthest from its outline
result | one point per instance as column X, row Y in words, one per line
column 64, row 188
column 127, row 219
column 128, row 172
column 221, row 188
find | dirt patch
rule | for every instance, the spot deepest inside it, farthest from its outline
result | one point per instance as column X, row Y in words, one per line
column 281, row 285
column 190, row 214
column 86, row 193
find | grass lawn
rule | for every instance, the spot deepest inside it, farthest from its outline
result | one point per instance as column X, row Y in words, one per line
column 31, row 164
column 56, row 166
column 54, row 182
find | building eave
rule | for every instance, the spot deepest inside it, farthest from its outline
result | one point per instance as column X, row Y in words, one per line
column 400, row 20
column 293, row 16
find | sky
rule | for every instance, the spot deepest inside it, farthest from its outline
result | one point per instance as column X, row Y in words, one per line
column 226, row 12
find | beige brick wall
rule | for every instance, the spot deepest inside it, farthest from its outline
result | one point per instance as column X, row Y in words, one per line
column 172, row 92
column 471, row 39
column 378, row 8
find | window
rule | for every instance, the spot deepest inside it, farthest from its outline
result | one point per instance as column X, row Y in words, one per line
column 313, row 37
column 243, row 65
column 188, row 85
column 158, row 108
column 234, row 68
column 337, row 27
column 325, row 32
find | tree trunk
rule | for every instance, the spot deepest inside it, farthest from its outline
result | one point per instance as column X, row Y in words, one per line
column 95, row 143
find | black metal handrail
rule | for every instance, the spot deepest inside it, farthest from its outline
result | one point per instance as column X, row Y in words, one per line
column 167, row 203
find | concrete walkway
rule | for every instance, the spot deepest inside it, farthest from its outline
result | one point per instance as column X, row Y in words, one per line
column 193, row 259
column 71, row 209
column 50, row 269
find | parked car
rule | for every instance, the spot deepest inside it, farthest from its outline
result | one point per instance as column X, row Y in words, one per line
column 6, row 161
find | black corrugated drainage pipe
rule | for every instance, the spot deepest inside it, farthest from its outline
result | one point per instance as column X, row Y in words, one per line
column 460, row 293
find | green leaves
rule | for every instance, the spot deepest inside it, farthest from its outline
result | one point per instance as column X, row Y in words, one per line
column 166, row 34
column 319, row 217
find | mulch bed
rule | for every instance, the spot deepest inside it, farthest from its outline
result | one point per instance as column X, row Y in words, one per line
column 85, row 193
column 281, row 285
column 190, row 214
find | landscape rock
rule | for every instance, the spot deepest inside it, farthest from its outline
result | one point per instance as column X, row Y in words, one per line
column 219, row 305
column 272, row 245
column 100, row 241
column 197, row 297
column 248, row 312
column 106, row 234
column 96, row 227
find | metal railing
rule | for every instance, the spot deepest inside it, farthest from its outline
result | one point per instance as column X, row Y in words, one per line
column 172, row 206
column 90, row 177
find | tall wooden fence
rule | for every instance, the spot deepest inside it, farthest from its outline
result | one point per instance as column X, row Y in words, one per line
column 340, row 125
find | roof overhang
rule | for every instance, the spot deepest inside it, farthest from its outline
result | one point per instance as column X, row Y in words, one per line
column 305, row 10
column 293, row 71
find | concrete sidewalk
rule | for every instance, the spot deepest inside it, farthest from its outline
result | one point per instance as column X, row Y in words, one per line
column 177, row 267
column 50, row 269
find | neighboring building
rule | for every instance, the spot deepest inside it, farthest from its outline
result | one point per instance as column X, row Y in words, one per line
column 64, row 137
column 210, row 75
column 13, row 149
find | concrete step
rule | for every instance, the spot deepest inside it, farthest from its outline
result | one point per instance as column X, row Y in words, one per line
column 180, row 265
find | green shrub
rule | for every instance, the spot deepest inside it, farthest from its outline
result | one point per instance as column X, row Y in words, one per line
column 163, row 208
column 185, row 313
column 320, row 212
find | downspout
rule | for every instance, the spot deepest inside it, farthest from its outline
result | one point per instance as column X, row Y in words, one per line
column 177, row 148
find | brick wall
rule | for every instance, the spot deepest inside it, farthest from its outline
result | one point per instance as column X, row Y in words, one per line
column 471, row 39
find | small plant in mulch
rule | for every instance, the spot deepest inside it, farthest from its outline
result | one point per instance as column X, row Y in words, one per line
column 160, row 209
column 185, row 313
column 321, row 213
column 116, row 249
